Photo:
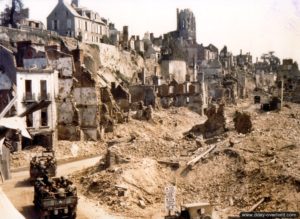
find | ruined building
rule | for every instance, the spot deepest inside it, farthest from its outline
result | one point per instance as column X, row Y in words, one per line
column 74, row 21
column 186, row 25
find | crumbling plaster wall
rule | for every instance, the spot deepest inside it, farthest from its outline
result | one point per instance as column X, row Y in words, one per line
column 175, row 69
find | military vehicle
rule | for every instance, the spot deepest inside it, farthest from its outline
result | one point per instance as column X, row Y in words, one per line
column 44, row 164
column 200, row 210
column 55, row 198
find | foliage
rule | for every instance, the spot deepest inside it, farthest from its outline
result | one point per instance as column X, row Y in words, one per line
column 14, row 13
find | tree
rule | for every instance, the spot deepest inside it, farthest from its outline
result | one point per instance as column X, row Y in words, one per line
column 12, row 15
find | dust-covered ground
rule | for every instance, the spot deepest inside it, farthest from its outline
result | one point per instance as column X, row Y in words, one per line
column 242, row 169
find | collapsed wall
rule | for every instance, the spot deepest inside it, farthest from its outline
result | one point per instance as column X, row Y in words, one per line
column 99, row 100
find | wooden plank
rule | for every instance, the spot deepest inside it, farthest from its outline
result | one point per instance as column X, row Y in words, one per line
column 258, row 203
column 197, row 158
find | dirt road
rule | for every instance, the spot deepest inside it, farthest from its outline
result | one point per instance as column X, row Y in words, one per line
column 20, row 192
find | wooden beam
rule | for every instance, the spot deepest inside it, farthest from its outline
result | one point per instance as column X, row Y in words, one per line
column 259, row 203
column 192, row 162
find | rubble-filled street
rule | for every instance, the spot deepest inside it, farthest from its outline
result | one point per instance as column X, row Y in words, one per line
column 101, row 121
column 145, row 156
column 241, row 170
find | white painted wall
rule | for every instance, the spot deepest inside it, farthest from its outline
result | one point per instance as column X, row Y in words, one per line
column 52, row 89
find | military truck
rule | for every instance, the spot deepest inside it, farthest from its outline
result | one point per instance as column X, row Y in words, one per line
column 200, row 210
column 55, row 198
column 43, row 164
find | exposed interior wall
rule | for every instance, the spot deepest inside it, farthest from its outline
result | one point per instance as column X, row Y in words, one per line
column 174, row 69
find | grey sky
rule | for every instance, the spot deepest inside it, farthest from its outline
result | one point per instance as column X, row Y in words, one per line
column 257, row 26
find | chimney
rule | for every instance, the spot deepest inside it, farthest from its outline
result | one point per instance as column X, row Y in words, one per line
column 75, row 2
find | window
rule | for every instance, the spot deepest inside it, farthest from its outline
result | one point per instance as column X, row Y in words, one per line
column 55, row 24
column 44, row 117
column 28, row 90
column 86, row 26
column 69, row 23
column 43, row 90
column 79, row 24
column 67, row 13
column 29, row 120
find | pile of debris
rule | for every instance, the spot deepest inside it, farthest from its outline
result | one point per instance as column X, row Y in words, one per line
column 144, row 113
column 214, row 125
column 259, row 169
column 242, row 122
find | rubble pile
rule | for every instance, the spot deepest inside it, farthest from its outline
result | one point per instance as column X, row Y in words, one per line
column 242, row 122
column 130, row 188
column 144, row 113
column 65, row 150
column 214, row 125
column 22, row 158
column 237, row 174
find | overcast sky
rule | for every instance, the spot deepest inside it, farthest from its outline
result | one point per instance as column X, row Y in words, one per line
column 257, row 26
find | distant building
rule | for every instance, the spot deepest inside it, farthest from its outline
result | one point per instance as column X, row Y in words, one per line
column 226, row 58
column 186, row 26
column 139, row 45
column 74, row 21
column 244, row 60
column 114, row 35
column 33, row 24
column 209, row 52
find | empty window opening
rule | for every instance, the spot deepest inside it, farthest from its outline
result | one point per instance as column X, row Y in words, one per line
column 43, row 89
column 44, row 117
column 29, row 120
column 28, row 90
column 55, row 25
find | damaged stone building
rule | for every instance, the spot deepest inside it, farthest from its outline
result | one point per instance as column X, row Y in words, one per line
column 290, row 75
column 75, row 21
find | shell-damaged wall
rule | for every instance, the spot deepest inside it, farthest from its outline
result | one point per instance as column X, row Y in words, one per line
column 96, row 67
